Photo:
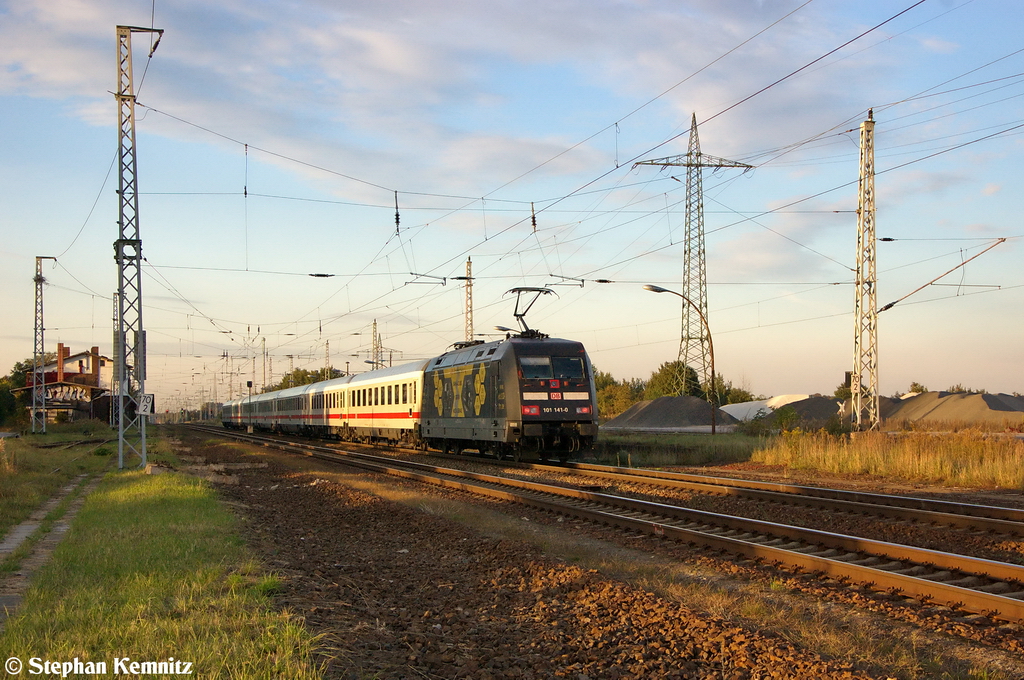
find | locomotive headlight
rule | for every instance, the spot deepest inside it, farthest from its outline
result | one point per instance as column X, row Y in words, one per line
column 531, row 410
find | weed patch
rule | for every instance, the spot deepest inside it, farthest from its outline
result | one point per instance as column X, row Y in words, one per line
column 655, row 450
column 152, row 568
column 966, row 458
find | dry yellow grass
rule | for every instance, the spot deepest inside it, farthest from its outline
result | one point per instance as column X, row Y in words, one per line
column 968, row 458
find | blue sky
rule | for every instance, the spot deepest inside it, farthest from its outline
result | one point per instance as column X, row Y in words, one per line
column 321, row 111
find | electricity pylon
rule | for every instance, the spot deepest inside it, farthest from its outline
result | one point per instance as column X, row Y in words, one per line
column 865, row 403
column 695, row 340
column 130, row 338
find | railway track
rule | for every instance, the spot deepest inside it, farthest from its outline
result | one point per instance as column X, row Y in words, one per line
column 975, row 585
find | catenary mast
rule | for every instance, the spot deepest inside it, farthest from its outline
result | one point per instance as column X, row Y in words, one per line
column 865, row 403
column 130, row 338
column 39, row 356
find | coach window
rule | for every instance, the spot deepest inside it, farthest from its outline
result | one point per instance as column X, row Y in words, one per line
column 376, row 396
column 414, row 393
column 389, row 394
column 405, row 393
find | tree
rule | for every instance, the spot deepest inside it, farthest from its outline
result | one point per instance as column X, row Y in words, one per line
column 14, row 405
column 301, row 376
column 603, row 380
column 917, row 388
column 664, row 381
column 960, row 389
column 613, row 396
column 843, row 392
column 736, row 395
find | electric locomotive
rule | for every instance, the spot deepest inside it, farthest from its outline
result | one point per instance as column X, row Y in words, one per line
column 525, row 395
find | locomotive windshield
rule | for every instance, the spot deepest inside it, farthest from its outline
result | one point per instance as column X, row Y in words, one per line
column 543, row 368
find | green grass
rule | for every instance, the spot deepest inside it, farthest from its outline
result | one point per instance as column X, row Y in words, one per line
column 29, row 475
column 152, row 568
column 963, row 459
column 654, row 450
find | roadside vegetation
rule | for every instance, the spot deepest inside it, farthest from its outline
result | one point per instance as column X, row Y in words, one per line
column 656, row 450
column 967, row 458
column 153, row 567
column 35, row 467
column 672, row 378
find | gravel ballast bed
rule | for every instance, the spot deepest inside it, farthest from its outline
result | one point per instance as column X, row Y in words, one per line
column 399, row 593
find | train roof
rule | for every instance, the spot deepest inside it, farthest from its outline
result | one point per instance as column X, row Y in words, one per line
column 334, row 383
column 488, row 351
column 459, row 355
column 389, row 372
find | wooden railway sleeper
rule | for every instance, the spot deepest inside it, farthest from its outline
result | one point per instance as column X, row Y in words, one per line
column 997, row 588
column 815, row 550
column 714, row 531
column 762, row 539
column 914, row 570
column 793, row 545
column 869, row 561
column 938, row 576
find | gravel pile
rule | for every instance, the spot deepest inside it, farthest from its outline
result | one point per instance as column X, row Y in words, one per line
column 666, row 413
column 398, row 593
column 950, row 406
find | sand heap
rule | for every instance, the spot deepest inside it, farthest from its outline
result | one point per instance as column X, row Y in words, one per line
column 958, row 407
column 668, row 413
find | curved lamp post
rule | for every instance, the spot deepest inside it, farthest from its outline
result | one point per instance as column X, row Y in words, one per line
column 711, row 347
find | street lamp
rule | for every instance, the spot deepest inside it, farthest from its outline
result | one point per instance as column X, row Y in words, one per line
column 711, row 347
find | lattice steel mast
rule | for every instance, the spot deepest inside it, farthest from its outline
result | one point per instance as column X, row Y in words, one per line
column 376, row 348
column 39, row 356
column 865, row 403
column 469, row 299
column 694, row 341
column 130, row 338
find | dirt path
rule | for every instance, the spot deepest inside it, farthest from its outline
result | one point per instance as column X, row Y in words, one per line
column 14, row 586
